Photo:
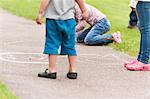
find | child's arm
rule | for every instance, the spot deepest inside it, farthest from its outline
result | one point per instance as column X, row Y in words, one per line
column 81, row 4
column 43, row 6
column 80, row 25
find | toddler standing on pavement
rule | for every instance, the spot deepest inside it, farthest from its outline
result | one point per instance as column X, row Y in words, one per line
column 60, row 31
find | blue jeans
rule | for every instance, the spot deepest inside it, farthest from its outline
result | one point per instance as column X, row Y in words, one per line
column 143, row 12
column 95, row 34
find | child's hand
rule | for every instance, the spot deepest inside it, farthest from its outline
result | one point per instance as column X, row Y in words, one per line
column 85, row 15
column 38, row 19
column 133, row 9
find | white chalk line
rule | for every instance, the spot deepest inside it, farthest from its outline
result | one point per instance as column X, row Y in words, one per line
column 11, row 57
column 20, row 53
column 16, row 42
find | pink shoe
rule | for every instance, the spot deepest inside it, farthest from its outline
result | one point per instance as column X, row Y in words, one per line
column 138, row 66
column 131, row 62
column 117, row 37
column 147, row 67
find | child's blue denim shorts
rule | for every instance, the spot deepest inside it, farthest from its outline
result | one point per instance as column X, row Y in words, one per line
column 60, row 34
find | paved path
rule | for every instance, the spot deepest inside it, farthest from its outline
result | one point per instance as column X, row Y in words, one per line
column 101, row 74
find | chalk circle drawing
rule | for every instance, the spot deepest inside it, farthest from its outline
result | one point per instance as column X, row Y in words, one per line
column 35, row 58
column 39, row 58
column 21, row 57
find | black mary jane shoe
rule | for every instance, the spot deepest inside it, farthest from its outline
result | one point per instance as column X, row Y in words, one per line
column 72, row 75
column 45, row 74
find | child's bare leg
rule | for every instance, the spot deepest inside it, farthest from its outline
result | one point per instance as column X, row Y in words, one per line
column 52, row 63
column 72, row 63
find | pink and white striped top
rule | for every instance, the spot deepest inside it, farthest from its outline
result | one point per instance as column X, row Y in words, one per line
column 94, row 16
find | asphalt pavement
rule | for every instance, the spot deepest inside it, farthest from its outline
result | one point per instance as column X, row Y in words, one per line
column 100, row 68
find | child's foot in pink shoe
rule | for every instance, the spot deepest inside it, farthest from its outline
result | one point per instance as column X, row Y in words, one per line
column 131, row 62
column 117, row 37
column 138, row 66
column 134, row 66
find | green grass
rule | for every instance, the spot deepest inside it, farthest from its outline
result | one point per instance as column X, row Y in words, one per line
column 25, row 8
column 117, row 12
column 5, row 93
